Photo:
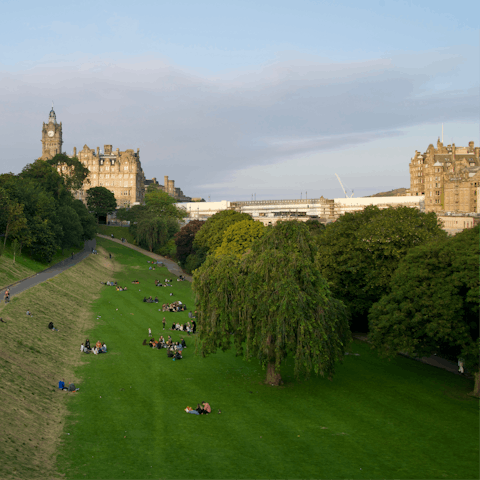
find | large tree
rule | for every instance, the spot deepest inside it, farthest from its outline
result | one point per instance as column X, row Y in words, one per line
column 210, row 235
column 239, row 236
column 100, row 201
column 155, row 232
column 160, row 204
column 433, row 304
column 73, row 173
column 360, row 251
column 184, row 240
column 275, row 303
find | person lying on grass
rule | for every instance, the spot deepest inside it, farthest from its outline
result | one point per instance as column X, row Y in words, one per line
column 191, row 410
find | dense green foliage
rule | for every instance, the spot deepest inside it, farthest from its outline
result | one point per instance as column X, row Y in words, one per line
column 360, row 251
column 101, row 201
column 155, row 232
column 74, row 174
column 238, row 237
column 210, row 237
column 39, row 213
column 184, row 240
column 275, row 302
column 365, row 419
column 433, row 304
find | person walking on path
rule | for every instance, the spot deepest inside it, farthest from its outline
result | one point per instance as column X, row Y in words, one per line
column 461, row 363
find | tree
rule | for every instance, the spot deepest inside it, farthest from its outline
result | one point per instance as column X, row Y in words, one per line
column 275, row 302
column 72, row 231
column 15, row 220
column 100, row 201
column 155, row 232
column 184, row 240
column 315, row 226
column 73, row 173
column 433, row 304
column 160, row 204
column 87, row 220
column 210, row 235
column 360, row 251
column 44, row 244
column 239, row 236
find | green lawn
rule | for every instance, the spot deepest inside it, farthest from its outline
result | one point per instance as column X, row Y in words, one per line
column 118, row 232
column 376, row 419
column 25, row 266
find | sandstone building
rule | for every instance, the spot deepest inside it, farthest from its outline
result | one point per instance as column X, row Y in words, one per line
column 120, row 172
column 169, row 187
column 448, row 176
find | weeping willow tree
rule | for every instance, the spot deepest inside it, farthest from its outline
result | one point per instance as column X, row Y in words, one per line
column 275, row 303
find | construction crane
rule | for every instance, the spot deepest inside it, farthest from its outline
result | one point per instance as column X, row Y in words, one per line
column 343, row 188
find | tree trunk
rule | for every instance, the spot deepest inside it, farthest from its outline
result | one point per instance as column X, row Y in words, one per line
column 273, row 378
column 476, row 388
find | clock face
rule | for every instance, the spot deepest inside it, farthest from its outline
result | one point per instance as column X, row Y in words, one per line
column 51, row 133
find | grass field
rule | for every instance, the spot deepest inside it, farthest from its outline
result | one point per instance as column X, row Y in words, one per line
column 376, row 419
column 118, row 232
column 25, row 266
column 32, row 361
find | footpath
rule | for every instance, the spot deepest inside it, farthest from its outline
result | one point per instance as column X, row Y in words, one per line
column 433, row 360
column 26, row 283
column 170, row 264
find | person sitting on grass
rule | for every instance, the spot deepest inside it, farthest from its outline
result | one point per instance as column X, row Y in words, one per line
column 61, row 384
column 177, row 355
column 87, row 343
column 204, row 408
column 104, row 348
column 182, row 343
column 156, row 299
column 144, row 299
column 170, row 352
column 71, row 387
column 29, row 314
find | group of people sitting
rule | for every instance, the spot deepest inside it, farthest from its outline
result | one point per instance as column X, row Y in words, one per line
column 150, row 300
column 202, row 409
column 109, row 284
column 121, row 289
column 181, row 278
column 174, row 349
column 177, row 306
column 167, row 283
column 185, row 327
column 136, row 282
column 99, row 347
column 71, row 386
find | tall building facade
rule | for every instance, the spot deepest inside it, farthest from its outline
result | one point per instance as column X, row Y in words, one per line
column 448, row 177
column 120, row 172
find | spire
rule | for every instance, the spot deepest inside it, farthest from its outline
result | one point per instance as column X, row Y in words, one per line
column 52, row 118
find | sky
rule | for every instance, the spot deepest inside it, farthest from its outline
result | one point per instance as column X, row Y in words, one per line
column 234, row 99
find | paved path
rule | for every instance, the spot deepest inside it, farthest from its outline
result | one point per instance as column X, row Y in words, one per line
column 170, row 264
column 22, row 285
column 433, row 360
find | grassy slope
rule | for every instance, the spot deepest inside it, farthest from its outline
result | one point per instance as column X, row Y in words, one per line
column 118, row 232
column 32, row 361
column 25, row 266
column 376, row 419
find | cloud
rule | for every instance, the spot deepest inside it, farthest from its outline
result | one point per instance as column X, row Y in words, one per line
column 201, row 130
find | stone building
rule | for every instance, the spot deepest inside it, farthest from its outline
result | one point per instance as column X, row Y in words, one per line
column 448, row 177
column 169, row 187
column 120, row 172
column 51, row 137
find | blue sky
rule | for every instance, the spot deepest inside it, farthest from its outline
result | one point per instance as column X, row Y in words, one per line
column 233, row 98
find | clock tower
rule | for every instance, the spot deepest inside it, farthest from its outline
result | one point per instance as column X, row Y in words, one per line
column 51, row 136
